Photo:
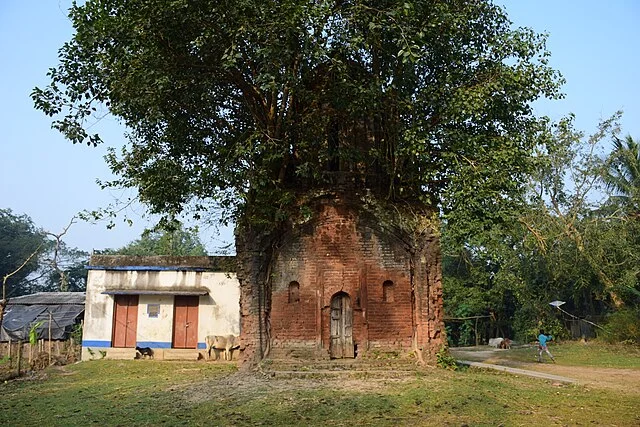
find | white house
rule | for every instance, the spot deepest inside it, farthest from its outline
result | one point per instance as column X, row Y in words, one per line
column 169, row 304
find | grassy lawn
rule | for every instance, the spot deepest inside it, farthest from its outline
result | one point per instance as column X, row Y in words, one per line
column 597, row 355
column 573, row 353
column 198, row 393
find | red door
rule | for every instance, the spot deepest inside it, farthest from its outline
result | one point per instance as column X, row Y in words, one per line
column 185, row 321
column 125, row 321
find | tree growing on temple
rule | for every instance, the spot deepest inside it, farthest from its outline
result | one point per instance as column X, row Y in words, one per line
column 255, row 107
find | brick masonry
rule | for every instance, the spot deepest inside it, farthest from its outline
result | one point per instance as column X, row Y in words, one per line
column 391, row 279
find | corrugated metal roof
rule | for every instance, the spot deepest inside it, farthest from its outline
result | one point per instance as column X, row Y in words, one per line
column 20, row 318
column 49, row 298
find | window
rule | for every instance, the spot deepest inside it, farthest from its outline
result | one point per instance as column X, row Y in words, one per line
column 153, row 310
column 387, row 291
column 294, row 292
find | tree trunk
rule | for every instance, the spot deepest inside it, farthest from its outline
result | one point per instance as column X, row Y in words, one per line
column 254, row 252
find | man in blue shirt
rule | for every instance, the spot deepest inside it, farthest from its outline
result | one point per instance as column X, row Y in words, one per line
column 542, row 345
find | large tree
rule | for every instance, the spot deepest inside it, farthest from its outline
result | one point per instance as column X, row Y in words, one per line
column 256, row 105
column 62, row 269
column 239, row 102
column 570, row 243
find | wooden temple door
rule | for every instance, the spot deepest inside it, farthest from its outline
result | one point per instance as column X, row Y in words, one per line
column 341, row 345
column 185, row 321
column 125, row 321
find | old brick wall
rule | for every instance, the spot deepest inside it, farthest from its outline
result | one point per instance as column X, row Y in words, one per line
column 428, row 304
column 288, row 277
column 342, row 250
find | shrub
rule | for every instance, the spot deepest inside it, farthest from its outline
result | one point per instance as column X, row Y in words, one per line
column 529, row 320
column 623, row 326
column 445, row 360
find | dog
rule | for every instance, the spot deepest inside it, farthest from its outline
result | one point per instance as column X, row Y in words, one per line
column 144, row 352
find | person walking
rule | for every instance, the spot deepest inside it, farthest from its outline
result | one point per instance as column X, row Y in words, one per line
column 542, row 346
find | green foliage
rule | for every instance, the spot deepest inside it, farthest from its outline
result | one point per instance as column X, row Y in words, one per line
column 175, row 242
column 19, row 239
column 623, row 326
column 445, row 360
column 70, row 262
column 621, row 174
column 240, row 104
column 33, row 332
column 566, row 244
column 76, row 333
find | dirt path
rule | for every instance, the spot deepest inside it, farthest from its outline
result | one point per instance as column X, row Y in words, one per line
column 618, row 379
column 520, row 371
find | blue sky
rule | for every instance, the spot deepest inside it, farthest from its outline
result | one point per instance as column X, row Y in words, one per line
column 594, row 44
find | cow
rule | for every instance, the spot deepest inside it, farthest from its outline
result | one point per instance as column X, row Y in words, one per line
column 505, row 344
column 226, row 343
column 495, row 342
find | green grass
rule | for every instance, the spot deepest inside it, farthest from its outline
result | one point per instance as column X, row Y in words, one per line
column 146, row 393
column 108, row 392
column 471, row 397
column 572, row 353
column 597, row 354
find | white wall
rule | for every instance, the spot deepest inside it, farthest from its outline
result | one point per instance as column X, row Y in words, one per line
column 98, row 317
column 218, row 311
column 154, row 331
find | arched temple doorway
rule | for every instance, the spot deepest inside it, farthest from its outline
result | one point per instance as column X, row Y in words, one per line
column 341, row 319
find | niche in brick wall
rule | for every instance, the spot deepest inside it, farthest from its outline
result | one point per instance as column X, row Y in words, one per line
column 294, row 292
column 387, row 291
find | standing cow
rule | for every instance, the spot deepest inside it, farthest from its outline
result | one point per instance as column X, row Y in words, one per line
column 495, row 342
column 226, row 343
column 503, row 343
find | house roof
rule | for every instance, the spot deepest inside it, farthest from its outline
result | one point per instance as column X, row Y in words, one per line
column 177, row 291
column 61, row 309
column 49, row 298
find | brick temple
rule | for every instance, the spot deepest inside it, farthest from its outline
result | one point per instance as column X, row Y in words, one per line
column 343, row 283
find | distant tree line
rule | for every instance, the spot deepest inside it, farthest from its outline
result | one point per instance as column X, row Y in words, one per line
column 36, row 260
column 39, row 260
column 173, row 240
column 576, row 239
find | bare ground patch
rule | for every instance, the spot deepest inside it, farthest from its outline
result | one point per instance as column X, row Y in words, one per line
column 622, row 380
column 244, row 385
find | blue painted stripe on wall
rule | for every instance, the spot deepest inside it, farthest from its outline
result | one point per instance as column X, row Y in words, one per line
column 154, row 344
column 95, row 343
column 144, row 268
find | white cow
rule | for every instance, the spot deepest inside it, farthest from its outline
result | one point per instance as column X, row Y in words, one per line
column 495, row 342
column 226, row 343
